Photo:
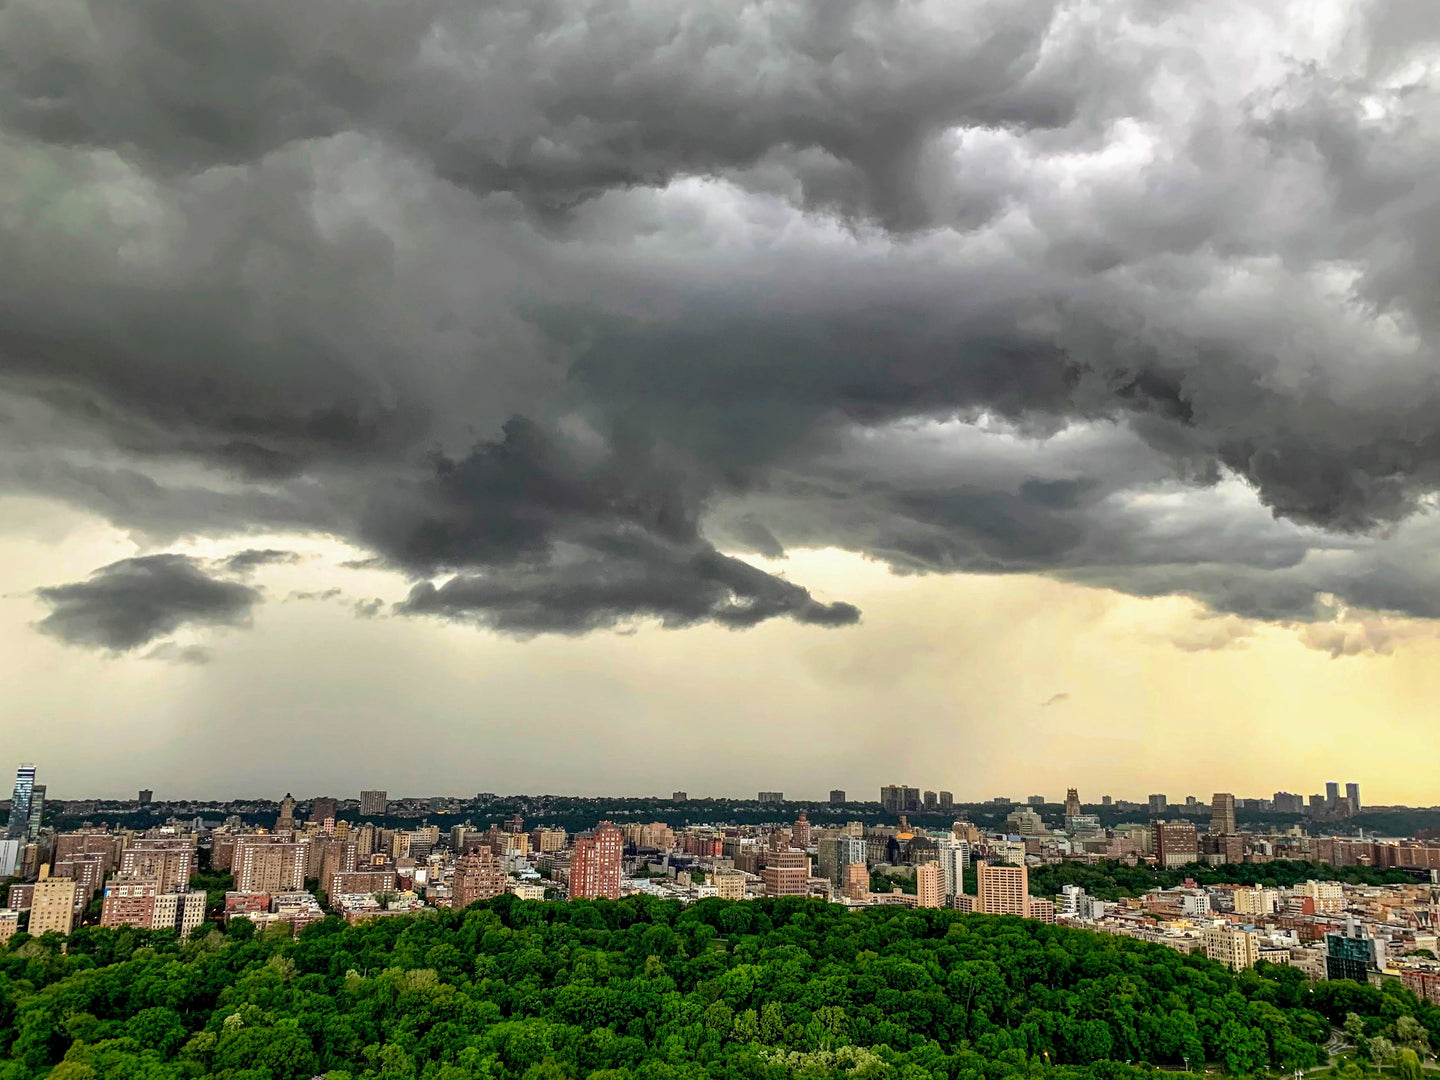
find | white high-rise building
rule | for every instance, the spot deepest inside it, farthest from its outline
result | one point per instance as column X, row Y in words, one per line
column 954, row 857
column 10, row 852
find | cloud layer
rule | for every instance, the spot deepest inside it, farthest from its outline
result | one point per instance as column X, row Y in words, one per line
column 556, row 308
column 134, row 602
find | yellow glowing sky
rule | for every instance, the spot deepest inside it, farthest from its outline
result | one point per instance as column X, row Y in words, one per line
column 944, row 685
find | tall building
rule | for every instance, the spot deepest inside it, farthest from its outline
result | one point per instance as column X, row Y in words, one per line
column 286, row 819
column 1158, row 805
column 1026, row 822
column 898, row 799
column 800, row 832
column 181, row 912
column 679, row 796
column 1286, row 803
column 1332, row 794
column 52, row 906
column 771, row 797
column 1349, row 954
column 19, row 823
column 837, row 797
column 268, row 863
column 1256, row 901
column 1176, row 844
column 374, row 803
column 786, row 873
column 954, row 857
column 129, row 901
column 10, row 856
column 145, row 795
column 932, row 802
column 1326, row 896
column 835, row 853
column 855, row 883
column 1038, row 907
column 170, row 860
column 37, row 813
column 1352, row 796
column 477, row 877
column 1072, row 803
column 947, row 801
column 1001, row 889
column 730, row 885
column 323, row 809
column 328, row 857
column 87, row 869
column 929, row 885
column 1236, row 949
column 1222, row 813
column 595, row 867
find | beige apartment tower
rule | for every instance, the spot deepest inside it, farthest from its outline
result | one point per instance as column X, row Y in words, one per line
column 1002, row 889
column 52, row 906
column 855, row 882
column 1236, row 949
column 269, row 864
column 929, row 885
column 730, row 885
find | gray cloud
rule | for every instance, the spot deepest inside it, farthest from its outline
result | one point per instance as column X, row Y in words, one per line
column 133, row 602
column 243, row 562
column 559, row 302
column 677, row 587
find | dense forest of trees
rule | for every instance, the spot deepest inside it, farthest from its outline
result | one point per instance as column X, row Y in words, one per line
column 1112, row 880
column 643, row 989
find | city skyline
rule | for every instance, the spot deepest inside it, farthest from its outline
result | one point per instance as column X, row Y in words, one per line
column 934, row 385
column 892, row 798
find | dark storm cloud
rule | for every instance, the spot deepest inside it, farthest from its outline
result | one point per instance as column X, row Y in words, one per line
column 556, row 101
column 133, row 602
column 679, row 588
column 557, row 301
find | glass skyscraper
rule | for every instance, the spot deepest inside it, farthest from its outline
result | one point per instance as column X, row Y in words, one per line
column 19, row 824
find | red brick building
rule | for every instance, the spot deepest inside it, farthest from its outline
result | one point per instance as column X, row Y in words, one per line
column 595, row 867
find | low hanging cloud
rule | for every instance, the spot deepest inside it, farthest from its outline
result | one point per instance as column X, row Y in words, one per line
column 558, row 306
column 679, row 588
column 134, row 602
column 244, row 562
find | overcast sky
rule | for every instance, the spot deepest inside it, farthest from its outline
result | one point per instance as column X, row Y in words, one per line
column 587, row 395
